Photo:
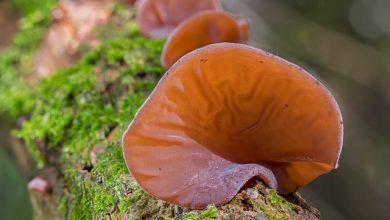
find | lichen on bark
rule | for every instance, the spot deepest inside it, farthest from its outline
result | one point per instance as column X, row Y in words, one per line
column 74, row 126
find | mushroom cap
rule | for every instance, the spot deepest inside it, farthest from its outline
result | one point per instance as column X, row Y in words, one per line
column 38, row 184
column 158, row 18
column 224, row 114
column 204, row 28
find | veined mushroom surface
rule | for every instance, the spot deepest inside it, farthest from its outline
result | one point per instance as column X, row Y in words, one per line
column 226, row 113
column 200, row 30
column 158, row 18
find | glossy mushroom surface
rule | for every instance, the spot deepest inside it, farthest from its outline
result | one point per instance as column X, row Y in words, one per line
column 200, row 30
column 158, row 18
column 226, row 113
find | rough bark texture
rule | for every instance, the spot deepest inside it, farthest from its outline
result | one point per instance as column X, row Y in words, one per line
column 72, row 122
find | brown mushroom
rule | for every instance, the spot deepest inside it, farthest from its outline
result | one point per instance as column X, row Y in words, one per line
column 158, row 18
column 226, row 113
column 130, row 2
column 200, row 30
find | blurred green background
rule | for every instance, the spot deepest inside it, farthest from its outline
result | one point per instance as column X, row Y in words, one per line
column 345, row 44
column 14, row 202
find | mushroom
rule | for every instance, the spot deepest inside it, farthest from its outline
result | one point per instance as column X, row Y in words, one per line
column 158, row 18
column 225, row 114
column 200, row 30
column 130, row 2
column 38, row 184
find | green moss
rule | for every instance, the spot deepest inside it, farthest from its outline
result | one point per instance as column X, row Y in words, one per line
column 62, row 204
column 210, row 213
column 16, row 97
column 274, row 198
column 31, row 6
column 77, row 107
column 276, row 207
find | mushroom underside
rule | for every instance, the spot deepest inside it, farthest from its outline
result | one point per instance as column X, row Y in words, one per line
column 195, row 177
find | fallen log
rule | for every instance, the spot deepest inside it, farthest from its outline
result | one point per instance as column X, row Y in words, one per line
column 72, row 121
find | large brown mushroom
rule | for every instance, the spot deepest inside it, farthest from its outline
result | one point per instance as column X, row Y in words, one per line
column 158, row 18
column 200, row 30
column 226, row 113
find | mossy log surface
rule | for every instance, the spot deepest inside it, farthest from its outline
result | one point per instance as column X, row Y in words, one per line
column 72, row 123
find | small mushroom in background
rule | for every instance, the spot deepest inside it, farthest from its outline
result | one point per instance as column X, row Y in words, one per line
column 200, row 30
column 39, row 184
column 224, row 114
column 130, row 2
column 158, row 18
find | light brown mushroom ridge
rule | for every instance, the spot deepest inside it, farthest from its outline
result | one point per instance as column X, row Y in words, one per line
column 200, row 30
column 158, row 18
column 226, row 113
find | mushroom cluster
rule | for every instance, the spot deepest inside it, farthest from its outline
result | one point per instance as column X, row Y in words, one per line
column 226, row 113
column 189, row 24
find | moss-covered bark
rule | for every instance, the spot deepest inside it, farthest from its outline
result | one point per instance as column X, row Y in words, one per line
column 75, row 121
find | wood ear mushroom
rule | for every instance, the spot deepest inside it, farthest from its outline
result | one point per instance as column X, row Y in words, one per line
column 158, row 18
column 203, row 29
column 226, row 113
